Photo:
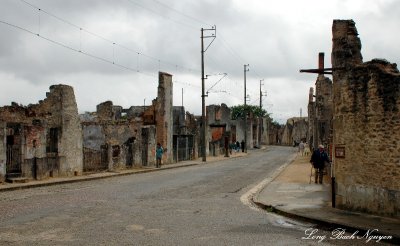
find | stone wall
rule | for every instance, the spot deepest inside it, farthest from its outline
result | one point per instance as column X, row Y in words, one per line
column 321, row 112
column 111, row 141
column 275, row 132
column 218, row 127
column 312, row 122
column 295, row 130
column 43, row 139
column 164, row 115
column 366, row 125
column 3, row 155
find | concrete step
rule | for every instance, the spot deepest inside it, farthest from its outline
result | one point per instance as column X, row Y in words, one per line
column 17, row 180
column 14, row 175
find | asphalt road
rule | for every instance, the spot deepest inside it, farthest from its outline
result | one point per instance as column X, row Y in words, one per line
column 199, row 205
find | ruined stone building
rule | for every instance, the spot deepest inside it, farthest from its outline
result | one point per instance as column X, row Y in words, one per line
column 222, row 129
column 274, row 132
column 366, row 127
column 185, row 135
column 295, row 130
column 320, row 112
column 41, row 140
column 264, row 131
column 219, row 128
column 114, row 137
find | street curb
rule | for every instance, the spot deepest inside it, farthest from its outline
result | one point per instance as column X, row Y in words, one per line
column 325, row 224
column 87, row 178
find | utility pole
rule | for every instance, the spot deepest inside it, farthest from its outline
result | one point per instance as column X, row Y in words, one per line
column 260, row 118
column 246, row 69
column 203, row 95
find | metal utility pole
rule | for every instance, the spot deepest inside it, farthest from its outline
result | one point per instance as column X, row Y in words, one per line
column 260, row 119
column 203, row 95
column 246, row 69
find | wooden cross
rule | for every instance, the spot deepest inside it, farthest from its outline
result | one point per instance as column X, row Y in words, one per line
column 321, row 69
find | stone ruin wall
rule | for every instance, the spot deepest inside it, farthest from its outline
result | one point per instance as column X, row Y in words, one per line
column 367, row 125
column 323, row 111
column 320, row 112
column 295, row 130
column 164, row 115
column 58, row 111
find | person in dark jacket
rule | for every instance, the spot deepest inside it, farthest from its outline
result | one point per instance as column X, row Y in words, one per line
column 237, row 146
column 318, row 159
column 242, row 145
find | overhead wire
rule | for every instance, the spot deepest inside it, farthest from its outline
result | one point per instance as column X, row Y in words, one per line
column 154, row 12
column 181, row 13
column 74, row 49
column 41, row 10
column 111, row 42
column 225, row 43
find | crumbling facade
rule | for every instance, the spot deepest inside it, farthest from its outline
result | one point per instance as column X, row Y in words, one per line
column 164, row 114
column 320, row 112
column 115, row 138
column 41, row 140
column 275, row 133
column 185, row 134
column 366, row 127
column 295, row 130
column 222, row 130
column 219, row 126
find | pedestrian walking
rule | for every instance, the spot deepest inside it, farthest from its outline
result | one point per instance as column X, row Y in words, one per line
column 242, row 145
column 237, row 146
column 159, row 154
column 306, row 149
column 318, row 159
column 301, row 148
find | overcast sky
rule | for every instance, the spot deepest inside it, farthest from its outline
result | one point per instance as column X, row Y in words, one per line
column 142, row 37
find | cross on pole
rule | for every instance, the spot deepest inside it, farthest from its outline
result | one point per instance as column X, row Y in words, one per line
column 321, row 69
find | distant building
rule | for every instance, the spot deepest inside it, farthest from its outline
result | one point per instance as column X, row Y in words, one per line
column 295, row 130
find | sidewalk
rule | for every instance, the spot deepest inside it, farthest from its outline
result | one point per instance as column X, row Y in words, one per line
column 292, row 194
column 109, row 174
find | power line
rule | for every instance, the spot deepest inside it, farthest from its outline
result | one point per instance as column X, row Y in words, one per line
column 223, row 41
column 88, row 54
column 181, row 13
column 154, row 12
column 114, row 44
column 111, row 42
column 75, row 50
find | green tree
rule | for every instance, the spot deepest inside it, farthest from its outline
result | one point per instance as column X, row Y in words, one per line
column 239, row 111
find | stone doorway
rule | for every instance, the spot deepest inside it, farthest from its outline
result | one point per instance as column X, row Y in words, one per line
column 13, row 150
column 145, row 146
